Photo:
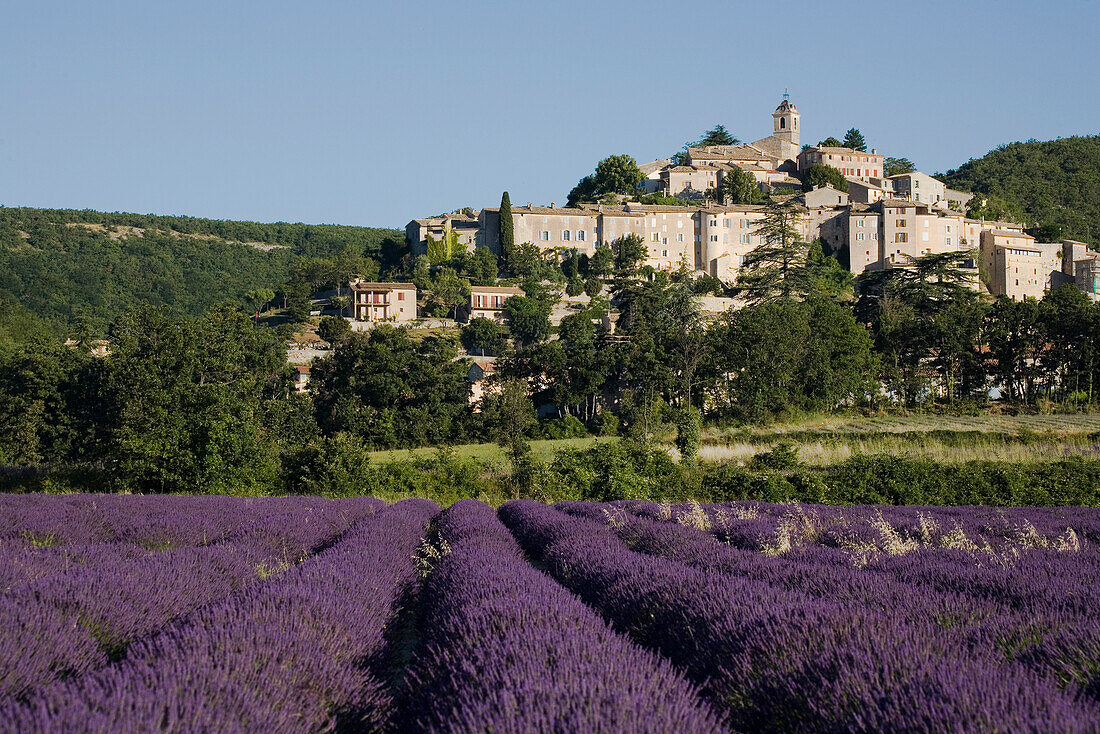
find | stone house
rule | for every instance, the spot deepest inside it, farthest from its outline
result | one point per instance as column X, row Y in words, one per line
column 488, row 301
column 374, row 303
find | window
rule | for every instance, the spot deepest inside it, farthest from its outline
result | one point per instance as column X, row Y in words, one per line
column 949, row 242
column 924, row 236
column 862, row 222
column 680, row 237
column 900, row 223
column 901, row 237
column 565, row 235
column 679, row 223
column 656, row 237
column 725, row 223
column 926, row 224
column 580, row 235
column 664, row 253
column 400, row 296
column 377, row 297
column 544, row 236
column 481, row 301
column 725, row 239
column 714, row 238
column 664, row 240
column 714, row 222
column 859, row 236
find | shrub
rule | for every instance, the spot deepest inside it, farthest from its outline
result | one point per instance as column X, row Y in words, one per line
column 565, row 427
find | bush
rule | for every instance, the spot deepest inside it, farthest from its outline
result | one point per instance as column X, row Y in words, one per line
column 782, row 456
column 605, row 424
column 688, row 431
column 566, row 427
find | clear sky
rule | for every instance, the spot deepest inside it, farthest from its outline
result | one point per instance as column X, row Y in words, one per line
column 373, row 113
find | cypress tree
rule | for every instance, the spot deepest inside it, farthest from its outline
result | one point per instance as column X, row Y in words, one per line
column 507, row 227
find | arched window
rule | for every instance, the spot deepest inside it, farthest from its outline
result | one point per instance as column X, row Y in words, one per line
column 782, row 122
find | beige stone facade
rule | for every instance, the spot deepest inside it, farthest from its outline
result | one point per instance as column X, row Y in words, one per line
column 920, row 188
column 466, row 227
column 890, row 232
column 487, row 301
column 374, row 303
column 851, row 163
column 1022, row 271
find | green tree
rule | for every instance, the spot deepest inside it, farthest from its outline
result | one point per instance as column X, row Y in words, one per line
column 528, row 319
column 602, row 262
column 450, row 289
column 392, row 391
column 618, row 174
column 512, row 417
column 688, row 430
column 333, row 329
column 630, row 252
column 819, row 174
column 739, row 187
column 584, row 191
column 482, row 336
column 831, row 142
column 776, row 269
column 507, row 227
column 184, row 403
column 258, row 298
column 717, row 135
column 480, row 267
column 854, row 139
column 894, row 166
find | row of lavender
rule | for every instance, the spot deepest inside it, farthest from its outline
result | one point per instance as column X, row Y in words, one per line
column 305, row 650
column 304, row 615
column 81, row 578
column 807, row 636
column 500, row 647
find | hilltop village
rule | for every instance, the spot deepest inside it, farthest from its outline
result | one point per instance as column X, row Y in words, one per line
column 879, row 222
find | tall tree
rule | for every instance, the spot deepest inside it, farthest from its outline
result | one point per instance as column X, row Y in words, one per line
column 738, row 187
column 776, row 270
column 831, row 142
column 507, row 227
column 618, row 174
column 894, row 166
column 629, row 252
column 820, row 174
column 718, row 135
column 854, row 139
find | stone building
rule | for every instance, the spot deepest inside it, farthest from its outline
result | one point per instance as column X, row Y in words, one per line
column 374, row 303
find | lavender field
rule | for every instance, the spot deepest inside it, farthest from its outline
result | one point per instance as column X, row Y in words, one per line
column 187, row 614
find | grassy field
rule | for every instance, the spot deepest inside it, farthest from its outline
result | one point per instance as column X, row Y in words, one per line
column 490, row 452
column 829, row 440
column 846, row 425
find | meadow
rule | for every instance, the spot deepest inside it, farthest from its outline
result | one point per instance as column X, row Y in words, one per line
column 177, row 613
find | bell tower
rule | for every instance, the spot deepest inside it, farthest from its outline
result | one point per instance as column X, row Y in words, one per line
column 785, row 120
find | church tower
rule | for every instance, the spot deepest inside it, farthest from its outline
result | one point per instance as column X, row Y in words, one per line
column 785, row 121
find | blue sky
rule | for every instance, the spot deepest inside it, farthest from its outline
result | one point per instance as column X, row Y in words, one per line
column 374, row 113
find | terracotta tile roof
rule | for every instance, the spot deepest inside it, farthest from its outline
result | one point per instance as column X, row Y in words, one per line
column 1010, row 233
column 366, row 286
column 510, row 289
column 727, row 153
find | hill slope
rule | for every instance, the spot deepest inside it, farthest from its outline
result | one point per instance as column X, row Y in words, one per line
column 58, row 264
column 1056, row 182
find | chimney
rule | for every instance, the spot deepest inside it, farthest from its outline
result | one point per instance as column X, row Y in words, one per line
column 551, row 205
column 528, row 205
column 874, row 151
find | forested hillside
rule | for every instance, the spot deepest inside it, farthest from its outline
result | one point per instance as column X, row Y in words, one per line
column 58, row 267
column 1056, row 182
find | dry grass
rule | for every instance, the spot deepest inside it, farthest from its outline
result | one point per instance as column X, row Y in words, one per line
column 839, row 449
column 831, row 425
